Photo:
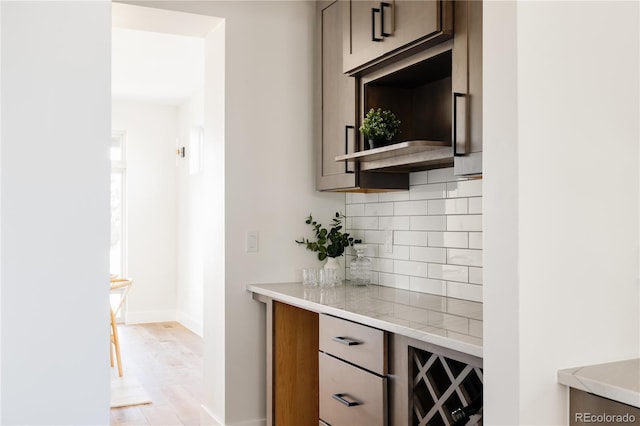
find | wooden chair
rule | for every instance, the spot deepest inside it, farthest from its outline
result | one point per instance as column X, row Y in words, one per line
column 123, row 285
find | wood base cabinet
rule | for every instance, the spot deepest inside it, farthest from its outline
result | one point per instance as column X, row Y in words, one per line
column 326, row 370
column 352, row 367
column 295, row 365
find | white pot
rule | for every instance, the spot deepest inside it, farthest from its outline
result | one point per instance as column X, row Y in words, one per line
column 333, row 263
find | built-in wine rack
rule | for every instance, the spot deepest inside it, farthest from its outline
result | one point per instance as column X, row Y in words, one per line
column 441, row 386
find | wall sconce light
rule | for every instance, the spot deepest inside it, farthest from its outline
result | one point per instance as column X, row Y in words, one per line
column 181, row 152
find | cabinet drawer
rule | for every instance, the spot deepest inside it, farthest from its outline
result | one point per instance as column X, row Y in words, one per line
column 355, row 343
column 349, row 395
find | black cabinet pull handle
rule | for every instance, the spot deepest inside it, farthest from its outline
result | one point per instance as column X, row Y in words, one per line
column 346, row 147
column 374, row 10
column 340, row 397
column 454, row 124
column 346, row 341
column 383, row 33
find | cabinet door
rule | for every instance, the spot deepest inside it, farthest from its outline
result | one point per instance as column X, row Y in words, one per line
column 362, row 32
column 415, row 20
column 378, row 29
column 350, row 396
column 467, row 82
column 339, row 134
column 355, row 343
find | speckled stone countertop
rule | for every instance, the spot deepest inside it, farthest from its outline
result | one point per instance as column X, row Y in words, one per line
column 451, row 323
column 619, row 380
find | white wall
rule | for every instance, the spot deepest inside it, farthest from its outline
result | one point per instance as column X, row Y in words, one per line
column 152, row 130
column 568, row 296
column 55, row 212
column 190, row 220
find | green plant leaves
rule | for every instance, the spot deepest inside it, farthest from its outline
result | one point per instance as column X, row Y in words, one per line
column 379, row 124
column 329, row 243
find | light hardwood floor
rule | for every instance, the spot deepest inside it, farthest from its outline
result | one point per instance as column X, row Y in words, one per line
column 167, row 360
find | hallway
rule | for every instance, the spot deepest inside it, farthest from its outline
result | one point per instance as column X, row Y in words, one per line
column 167, row 360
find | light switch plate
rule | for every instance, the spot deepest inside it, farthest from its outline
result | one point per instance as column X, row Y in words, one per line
column 251, row 241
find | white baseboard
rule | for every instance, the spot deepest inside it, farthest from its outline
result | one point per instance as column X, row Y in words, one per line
column 190, row 322
column 207, row 418
column 259, row 422
column 143, row 317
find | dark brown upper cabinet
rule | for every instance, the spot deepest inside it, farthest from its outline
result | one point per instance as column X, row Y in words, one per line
column 467, row 87
column 436, row 92
column 374, row 31
column 339, row 117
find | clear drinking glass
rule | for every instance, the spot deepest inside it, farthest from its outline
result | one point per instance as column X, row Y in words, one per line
column 310, row 276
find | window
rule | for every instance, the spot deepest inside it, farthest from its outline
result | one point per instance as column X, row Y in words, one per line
column 118, row 251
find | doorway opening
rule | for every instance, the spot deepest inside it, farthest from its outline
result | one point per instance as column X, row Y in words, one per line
column 159, row 97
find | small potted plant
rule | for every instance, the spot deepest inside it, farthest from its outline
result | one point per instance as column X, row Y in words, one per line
column 329, row 243
column 379, row 127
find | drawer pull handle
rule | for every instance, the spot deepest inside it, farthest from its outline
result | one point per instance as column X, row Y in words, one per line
column 341, row 398
column 347, row 341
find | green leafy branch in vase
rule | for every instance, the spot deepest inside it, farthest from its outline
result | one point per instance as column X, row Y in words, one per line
column 328, row 243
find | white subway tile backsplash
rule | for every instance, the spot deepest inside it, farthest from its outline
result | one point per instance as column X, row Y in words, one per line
column 464, row 188
column 475, row 275
column 441, row 175
column 364, row 223
column 475, row 205
column 428, row 223
column 395, row 281
column 464, row 291
column 394, row 223
column 464, row 257
column 475, row 240
column 464, row 223
column 354, row 210
column 401, row 252
column 373, row 237
column 378, row 209
column 465, row 308
column 393, row 196
column 448, row 272
column 475, row 328
column 426, row 285
column 428, row 254
column 448, row 206
column 382, row 265
column 428, row 192
column 407, row 208
column 419, row 178
column 370, row 251
column 449, row 239
column 410, row 238
column 436, row 229
column 416, row 269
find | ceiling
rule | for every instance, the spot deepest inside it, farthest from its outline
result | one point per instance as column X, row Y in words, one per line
column 155, row 67
column 157, row 55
